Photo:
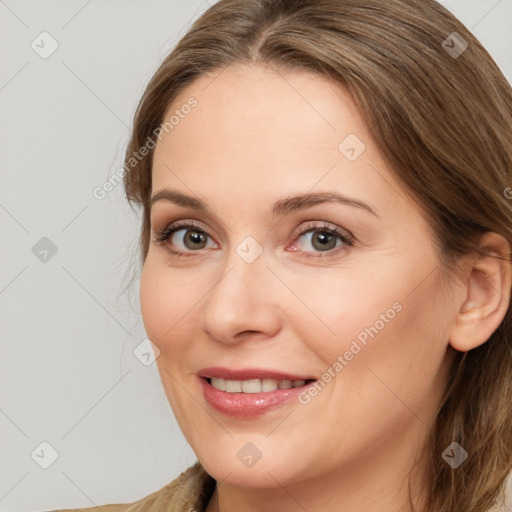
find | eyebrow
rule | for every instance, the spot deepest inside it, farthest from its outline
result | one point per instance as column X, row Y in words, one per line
column 281, row 207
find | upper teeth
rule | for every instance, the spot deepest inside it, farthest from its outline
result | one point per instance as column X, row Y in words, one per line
column 254, row 385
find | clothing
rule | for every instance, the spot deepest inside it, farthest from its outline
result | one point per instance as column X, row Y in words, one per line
column 189, row 492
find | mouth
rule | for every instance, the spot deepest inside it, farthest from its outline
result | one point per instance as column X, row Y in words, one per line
column 250, row 397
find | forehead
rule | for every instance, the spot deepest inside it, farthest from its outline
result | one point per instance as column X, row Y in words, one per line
column 256, row 129
column 272, row 104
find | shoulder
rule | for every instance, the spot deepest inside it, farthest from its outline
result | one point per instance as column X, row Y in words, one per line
column 192, row 489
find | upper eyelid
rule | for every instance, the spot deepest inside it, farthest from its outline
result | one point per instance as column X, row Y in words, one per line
column 310, row 224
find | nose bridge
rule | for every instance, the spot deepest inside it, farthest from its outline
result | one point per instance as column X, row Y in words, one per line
column 245, row 269
column 240, row 300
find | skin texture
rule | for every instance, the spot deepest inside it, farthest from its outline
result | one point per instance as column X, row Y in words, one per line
column 257, row 136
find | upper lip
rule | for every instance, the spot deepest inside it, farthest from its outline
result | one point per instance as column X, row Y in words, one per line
column 249, row 373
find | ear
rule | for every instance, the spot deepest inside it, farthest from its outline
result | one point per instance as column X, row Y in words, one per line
column 487, row 294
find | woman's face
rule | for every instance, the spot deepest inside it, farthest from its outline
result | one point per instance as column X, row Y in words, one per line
column 366, row 318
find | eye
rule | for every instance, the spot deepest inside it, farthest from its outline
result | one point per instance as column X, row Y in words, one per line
column 192, row 238
column 189, row 238
column 323, row 238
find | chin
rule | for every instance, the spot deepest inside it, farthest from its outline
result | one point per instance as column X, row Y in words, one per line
column 248, row 478
column 267, row 472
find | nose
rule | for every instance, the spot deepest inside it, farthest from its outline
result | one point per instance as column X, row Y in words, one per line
column 243, row 303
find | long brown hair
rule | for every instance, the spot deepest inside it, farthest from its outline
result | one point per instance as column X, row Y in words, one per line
column 441, row 115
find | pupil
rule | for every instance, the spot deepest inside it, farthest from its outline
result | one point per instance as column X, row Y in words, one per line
column 323, row 238
column 196, row 237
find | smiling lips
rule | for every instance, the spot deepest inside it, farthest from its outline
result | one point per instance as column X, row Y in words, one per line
column 252, row 380
column 249, row 392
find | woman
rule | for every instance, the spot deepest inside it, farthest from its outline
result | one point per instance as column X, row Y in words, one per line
column 326, row 248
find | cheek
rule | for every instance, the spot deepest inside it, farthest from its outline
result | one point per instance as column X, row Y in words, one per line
column 388, row 376
column 374, row 322
column 341, row 307
column 166, row 301
column 152, row 303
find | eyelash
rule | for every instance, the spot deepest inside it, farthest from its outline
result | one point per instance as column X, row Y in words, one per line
column 164, row 234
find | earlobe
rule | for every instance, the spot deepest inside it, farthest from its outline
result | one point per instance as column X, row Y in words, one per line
column 487, row 299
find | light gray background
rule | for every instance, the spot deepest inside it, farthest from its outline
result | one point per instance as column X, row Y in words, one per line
column 67, row 370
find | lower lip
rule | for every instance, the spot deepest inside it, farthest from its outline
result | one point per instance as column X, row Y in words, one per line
column 248, row 404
